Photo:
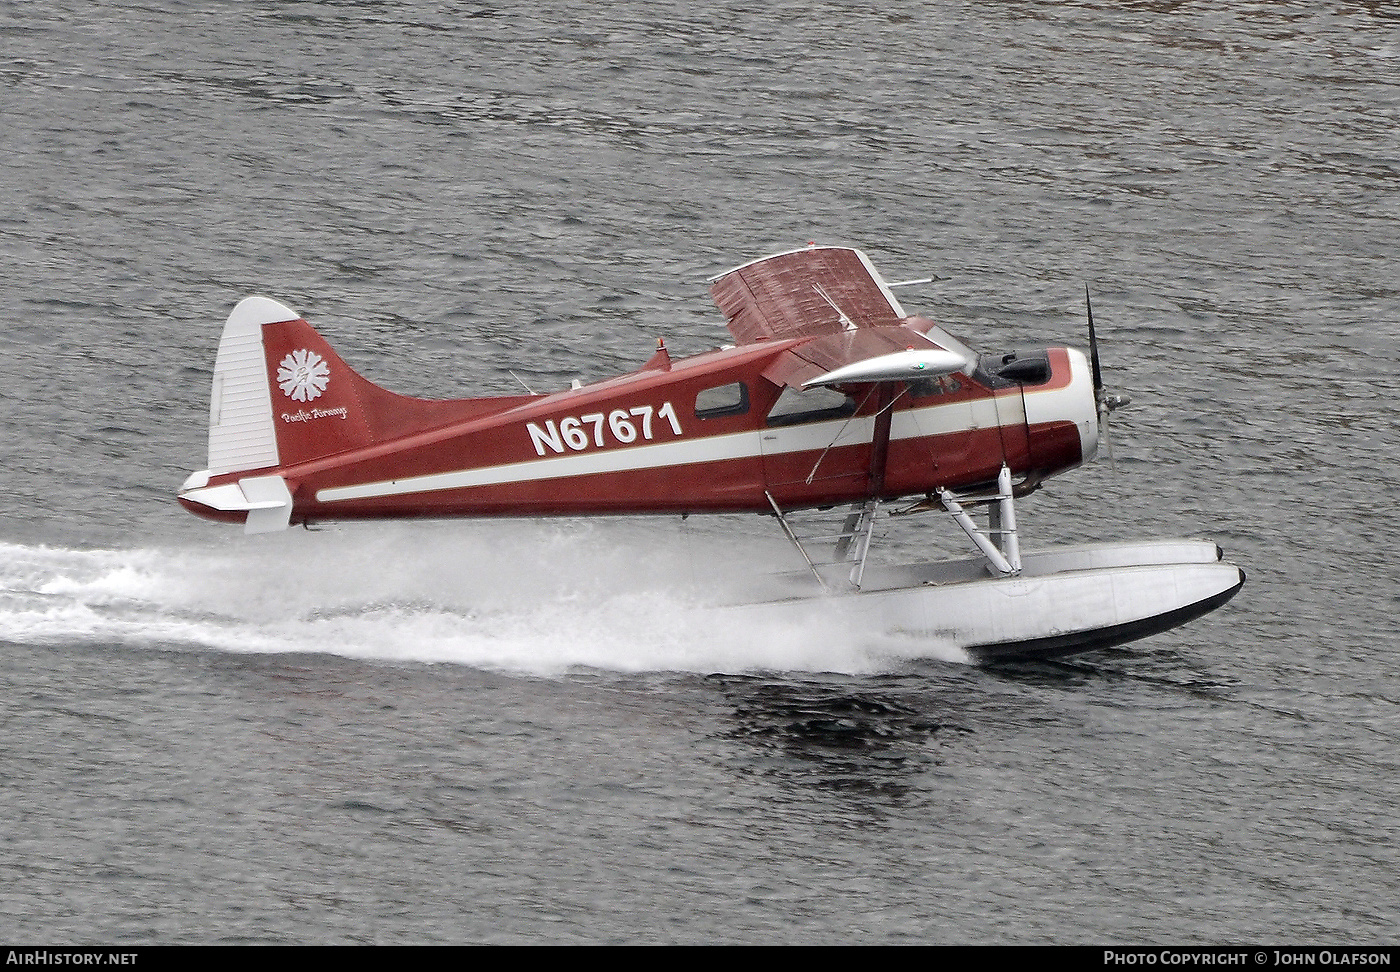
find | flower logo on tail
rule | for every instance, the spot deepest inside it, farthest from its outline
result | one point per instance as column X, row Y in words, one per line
column 303, row 375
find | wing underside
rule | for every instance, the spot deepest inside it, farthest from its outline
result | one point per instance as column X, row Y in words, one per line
column 811, row 292
column 855, row 329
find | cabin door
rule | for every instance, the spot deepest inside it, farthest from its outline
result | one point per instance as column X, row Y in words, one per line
column 935, row 428
column 814, row 445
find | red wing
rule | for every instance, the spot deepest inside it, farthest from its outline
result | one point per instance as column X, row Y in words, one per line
column 805, row 293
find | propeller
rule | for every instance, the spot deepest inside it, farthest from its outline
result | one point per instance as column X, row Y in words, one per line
column 1105, row 402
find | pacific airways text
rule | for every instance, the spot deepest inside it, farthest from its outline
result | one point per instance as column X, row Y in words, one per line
column 596, row 429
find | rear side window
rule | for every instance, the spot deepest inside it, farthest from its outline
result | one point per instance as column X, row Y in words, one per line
column 722, row 400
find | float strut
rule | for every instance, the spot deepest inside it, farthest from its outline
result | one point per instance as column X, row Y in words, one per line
column 782, row 521
column 1010, row 543
column 989, row 550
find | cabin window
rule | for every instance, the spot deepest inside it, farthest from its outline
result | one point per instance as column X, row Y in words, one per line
column 925, row 387
column 794, row 406
column 722, row 400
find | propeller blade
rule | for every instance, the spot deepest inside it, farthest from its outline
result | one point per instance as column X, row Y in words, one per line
column 1093, row 346
column 1105, row 402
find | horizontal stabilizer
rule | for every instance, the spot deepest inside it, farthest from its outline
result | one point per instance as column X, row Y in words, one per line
column 270, row 500
column 266, row 499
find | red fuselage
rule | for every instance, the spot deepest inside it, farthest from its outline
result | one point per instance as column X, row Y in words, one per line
column 705, row 434
column 832, row 395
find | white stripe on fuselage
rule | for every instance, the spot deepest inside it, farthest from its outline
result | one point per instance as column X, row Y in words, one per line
column 685, row 451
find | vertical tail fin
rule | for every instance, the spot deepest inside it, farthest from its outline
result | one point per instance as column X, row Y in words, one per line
column 280, row 396
column 319, row 405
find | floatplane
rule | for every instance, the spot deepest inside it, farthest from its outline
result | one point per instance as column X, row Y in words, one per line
column 830, row 397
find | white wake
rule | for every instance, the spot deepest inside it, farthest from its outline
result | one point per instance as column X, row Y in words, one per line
column 527, row 596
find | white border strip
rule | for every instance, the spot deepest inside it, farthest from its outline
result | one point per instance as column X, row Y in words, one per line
column 910, row 424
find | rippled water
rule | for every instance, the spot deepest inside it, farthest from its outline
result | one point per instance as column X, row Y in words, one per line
column 532, row 732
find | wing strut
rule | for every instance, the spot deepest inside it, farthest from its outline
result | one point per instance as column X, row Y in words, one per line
column 880, row 440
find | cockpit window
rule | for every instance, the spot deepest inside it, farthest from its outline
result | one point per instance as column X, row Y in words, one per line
column 944, row 385
column 795, row 407
column 722, row 400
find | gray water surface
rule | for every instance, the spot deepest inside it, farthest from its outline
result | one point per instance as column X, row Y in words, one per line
column 514, row 732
